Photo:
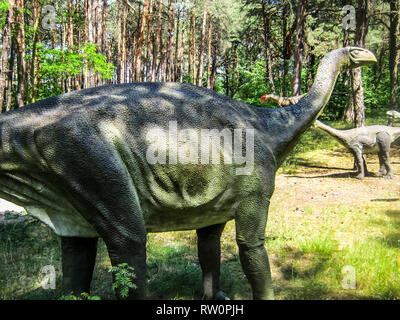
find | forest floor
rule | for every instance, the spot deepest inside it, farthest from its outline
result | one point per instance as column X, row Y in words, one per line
column 325, row 228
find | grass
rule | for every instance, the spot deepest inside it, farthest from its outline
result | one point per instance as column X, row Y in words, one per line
column 309, row 245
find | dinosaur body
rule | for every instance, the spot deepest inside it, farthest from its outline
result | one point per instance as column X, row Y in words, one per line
column 365, row 140
column 358, row 141
column 82, row 162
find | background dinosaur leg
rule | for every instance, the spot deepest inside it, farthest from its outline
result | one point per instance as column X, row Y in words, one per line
column 250, row 236
column 382, row 169
column 364, row 158
column 209, row 252
column 360, row 163
column 78, row 260
column 384, row 141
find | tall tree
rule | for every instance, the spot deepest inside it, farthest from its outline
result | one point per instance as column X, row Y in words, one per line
column 156, row 44
column 267, row 44
column 21, row 62
column 394, row 52
column 148, row 40
column 140, row 40
column 357, row 82
column 209, row 53
column 200, row 69
column 32, row 72
column 299, row 47
column 5, row 51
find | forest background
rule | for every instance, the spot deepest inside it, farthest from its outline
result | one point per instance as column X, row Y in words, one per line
column 241, row 48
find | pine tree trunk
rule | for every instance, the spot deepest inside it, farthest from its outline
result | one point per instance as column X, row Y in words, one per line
column 148, row 40
column 140, row 41
column 214, row 60
column 193, row 43
column 267, row 50
column 209, row 53
column 177, row 43
column 6, row 47
column 182, row 48
column 170, row 41
column 33, row 76
column 90, row 18
column 21, row 63
column 10, row 78
column 394, row 53
column 299, row 48
column 200, row 69
column 124, row 43
column 157, row 41
column 119, row 41
column 70, row 24
column 357, row 83
column 104, row 28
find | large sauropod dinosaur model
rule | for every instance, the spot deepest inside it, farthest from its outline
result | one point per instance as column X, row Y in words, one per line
column 120, row 161
column 358, row 141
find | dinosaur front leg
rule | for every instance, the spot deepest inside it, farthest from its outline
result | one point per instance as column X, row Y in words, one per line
column 209, row 252
column 78, row 260
column 250, row 236
column 384, row 142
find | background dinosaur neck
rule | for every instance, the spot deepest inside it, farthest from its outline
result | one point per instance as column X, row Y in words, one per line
column 336, row 134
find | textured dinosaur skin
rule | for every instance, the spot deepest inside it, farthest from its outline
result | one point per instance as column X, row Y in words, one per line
column 358, row 141
column 78, row 162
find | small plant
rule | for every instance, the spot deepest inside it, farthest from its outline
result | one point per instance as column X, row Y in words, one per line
column 83, row 296
column 123, row 275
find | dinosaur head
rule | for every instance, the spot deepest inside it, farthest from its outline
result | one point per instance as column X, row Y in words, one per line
column 360, row 57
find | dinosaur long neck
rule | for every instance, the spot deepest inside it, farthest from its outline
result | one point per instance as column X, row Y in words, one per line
column 289, row 123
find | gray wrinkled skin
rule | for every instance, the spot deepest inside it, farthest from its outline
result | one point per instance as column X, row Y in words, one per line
column 78, row 162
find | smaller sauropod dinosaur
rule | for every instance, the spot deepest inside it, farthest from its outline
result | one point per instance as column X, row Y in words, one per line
column 359, row 141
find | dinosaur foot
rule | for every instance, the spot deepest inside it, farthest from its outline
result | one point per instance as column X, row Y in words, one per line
column 360, row 177
column 220, row 295
column 389, row 176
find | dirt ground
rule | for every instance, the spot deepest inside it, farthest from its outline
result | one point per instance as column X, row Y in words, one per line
column 333, row 182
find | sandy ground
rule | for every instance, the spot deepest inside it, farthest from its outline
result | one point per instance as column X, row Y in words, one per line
column 333, row 182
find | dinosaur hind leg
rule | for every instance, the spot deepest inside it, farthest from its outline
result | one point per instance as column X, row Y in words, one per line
column 78, row 260
column 384, row 141
column 360, row 161
column 209, row 252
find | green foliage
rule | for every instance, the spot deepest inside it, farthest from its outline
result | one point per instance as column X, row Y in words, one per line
column 123, row 276
column 57, row 65
column 4, row 5
column 83, row 296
